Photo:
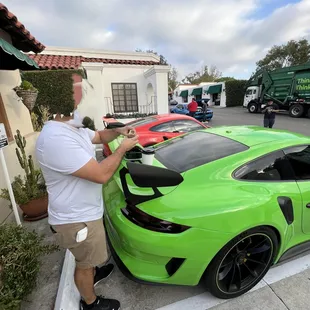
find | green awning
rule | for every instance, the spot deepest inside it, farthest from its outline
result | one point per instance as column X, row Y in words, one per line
column 215, row 89
column 19, row 60
column 184, row 93
column 197, row 91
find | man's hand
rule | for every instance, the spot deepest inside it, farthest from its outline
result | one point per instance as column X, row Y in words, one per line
column 126, row 131
column 128, row 143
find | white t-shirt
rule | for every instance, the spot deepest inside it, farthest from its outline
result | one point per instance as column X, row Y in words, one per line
column 61, row 150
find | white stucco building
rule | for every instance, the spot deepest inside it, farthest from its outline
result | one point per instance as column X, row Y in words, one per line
column 117, row 82
column 206, row 90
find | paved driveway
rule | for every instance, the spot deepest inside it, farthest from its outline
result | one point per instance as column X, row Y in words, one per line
column 269, row 294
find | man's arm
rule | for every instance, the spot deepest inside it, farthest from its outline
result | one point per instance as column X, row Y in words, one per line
column 101, row 172
column 105, row 136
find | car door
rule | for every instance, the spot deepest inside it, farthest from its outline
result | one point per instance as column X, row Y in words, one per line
column 184, row 125
column 299, row 158
column 272, row 180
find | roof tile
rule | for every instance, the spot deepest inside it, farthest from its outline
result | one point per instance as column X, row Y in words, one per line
column 74, row 62
column 18, row 28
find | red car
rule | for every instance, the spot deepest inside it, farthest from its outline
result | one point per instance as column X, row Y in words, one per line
column 157, row 128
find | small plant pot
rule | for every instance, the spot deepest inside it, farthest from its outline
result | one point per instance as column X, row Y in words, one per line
column 35, row 209
column 29, row 97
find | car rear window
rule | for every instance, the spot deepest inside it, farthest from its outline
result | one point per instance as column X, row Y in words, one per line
column 142, row 121
column 195, row 149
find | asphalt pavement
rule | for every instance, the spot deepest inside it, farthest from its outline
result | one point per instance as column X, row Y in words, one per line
column 284, row 287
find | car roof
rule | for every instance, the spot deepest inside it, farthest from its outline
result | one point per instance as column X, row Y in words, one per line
column 254, row 135
column 169, row 116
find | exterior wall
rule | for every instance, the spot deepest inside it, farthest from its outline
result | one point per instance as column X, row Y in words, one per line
column 97, row 101
column 19, row 118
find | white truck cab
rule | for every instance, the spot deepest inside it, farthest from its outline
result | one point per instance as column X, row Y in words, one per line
column 251, row 93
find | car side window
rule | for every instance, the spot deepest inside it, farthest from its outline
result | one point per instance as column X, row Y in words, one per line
column 272, row 167
column 180, row 106
column 164, row 127
column 186, row 125
column 299, row 158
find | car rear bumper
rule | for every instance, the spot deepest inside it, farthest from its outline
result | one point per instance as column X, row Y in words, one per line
column 148, row 256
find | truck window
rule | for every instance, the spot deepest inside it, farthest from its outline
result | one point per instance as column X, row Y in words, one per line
column 249, row 92
column 254, row 91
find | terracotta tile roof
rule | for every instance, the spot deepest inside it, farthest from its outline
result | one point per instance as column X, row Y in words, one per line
column 21, row 37
column 73, row 62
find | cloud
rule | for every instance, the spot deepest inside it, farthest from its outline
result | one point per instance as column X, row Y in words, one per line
column 225, row 33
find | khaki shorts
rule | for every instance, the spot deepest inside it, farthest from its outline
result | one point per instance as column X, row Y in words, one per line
column 89, row 253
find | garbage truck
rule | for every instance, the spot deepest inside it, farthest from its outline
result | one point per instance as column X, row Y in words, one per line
column 288, row 87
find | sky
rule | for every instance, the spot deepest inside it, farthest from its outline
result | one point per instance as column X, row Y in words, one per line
column 230, row 34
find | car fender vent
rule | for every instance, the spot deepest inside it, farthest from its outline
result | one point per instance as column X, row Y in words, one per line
column 173, row 265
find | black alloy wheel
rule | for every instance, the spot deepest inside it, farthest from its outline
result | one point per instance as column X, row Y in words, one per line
column 242, row 263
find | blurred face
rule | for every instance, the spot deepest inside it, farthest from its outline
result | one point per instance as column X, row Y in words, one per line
column 270, row 102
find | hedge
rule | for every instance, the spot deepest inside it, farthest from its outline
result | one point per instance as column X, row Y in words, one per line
column 235, row 91
column 55, row 89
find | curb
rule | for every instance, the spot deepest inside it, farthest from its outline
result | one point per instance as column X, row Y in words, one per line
column 68, row 297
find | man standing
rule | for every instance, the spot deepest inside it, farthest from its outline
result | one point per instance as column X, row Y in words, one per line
column 270, row 113
column 65, row 152
column 192, row 107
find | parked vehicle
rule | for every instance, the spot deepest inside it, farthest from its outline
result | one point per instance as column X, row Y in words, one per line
column 157, row 128
column 181, row 108
column 220, row 205
column 288, row 87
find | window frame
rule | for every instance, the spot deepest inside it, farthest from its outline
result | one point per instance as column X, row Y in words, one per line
column 283, row 151
column 292, row 147
column 4, row 119
column 116, row 109
column 187, row 121
column 164, row 123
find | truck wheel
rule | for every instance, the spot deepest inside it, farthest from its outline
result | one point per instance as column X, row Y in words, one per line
column 296, row 110
column 253, row 107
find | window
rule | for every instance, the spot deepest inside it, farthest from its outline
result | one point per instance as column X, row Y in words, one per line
column 180, row 107
column 125, row 98
column 299, row 158
column 184, row 99
column 186, row 125
column 195, row 149
column 249, row 92
column 141, row 122
column 272, row 167
column 5, row 121
column 165, row 127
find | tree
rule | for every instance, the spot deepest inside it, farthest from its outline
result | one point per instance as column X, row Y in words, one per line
column 172, row 75
column 225, row 79
column 206, row 74
column 290, row 54
column 173, row 79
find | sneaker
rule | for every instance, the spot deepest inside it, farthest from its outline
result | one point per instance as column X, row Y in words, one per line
column 101, row 303
column 102, row 273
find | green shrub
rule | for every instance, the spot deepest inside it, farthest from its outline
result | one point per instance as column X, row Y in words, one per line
column 235, row 91
column 20, row 252
column 55, row 89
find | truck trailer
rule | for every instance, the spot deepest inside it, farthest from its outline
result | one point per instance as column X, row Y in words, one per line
column 288, row 87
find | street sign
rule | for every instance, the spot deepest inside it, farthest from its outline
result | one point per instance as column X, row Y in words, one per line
column 3, row 137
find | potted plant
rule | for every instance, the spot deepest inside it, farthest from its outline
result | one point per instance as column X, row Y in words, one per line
column 28, row 93
column 30, row 191
column 20, row 253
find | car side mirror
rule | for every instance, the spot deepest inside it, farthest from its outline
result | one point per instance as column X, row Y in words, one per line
column 152, row 176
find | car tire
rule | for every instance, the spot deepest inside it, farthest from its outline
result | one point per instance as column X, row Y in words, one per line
column 253, row 107
column 240, row 257
column 296, row 110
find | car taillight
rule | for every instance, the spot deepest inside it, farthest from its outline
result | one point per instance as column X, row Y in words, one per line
column 142, row 219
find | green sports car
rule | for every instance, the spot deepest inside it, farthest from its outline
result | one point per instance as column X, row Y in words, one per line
column 220, row 205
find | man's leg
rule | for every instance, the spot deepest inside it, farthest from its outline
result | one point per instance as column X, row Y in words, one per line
column 266, row 122
column 84, row 281
column 271, row 122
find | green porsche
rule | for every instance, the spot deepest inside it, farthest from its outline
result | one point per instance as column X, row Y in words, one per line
column 219, row 205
